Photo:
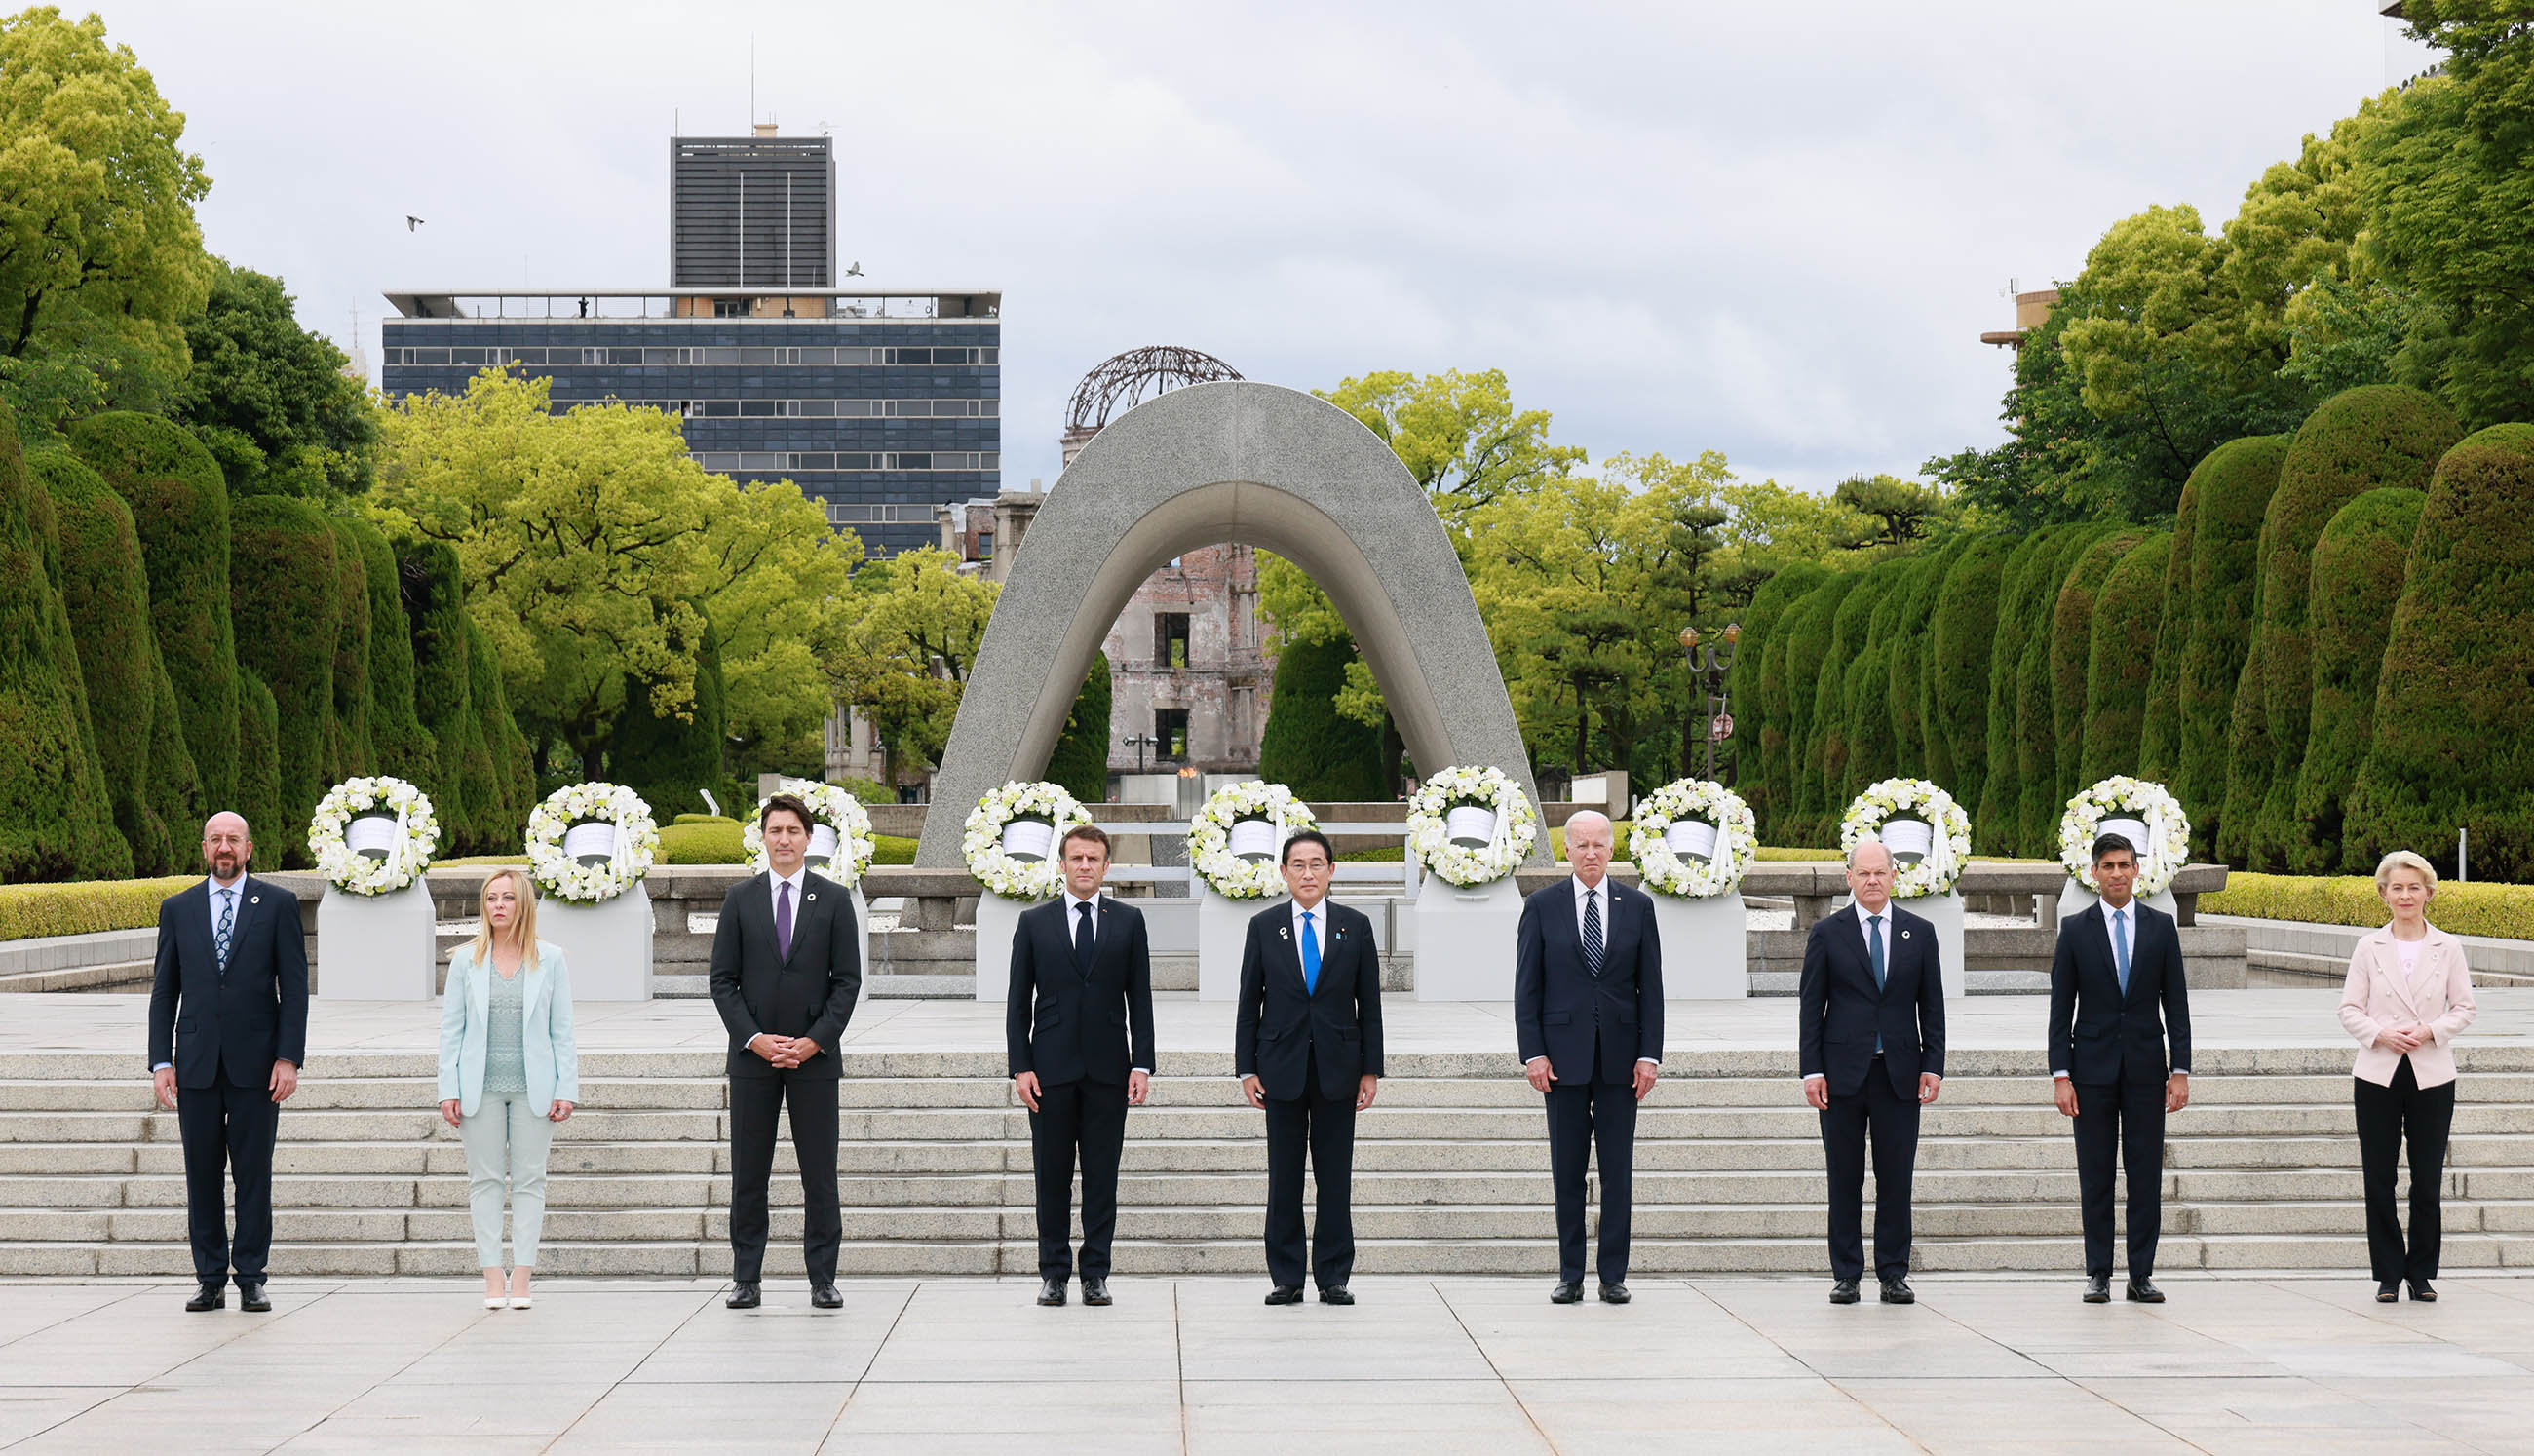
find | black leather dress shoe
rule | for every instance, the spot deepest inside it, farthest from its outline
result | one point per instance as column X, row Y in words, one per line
column 1843, row 1291
column 824, row 1297
column 1094, row 1292
column 1335, row 1293
column 250, row 1298
column 2145, row 1291
column 2098, row 1289
column 1568, row 1292
column 1285, row 1293
column 1614, row 1294
column 2389, row 1291
column 1051, row 1291
column 743, row 1297
column 1898, row 1291
column 208, row 1296
column 2421, row 1294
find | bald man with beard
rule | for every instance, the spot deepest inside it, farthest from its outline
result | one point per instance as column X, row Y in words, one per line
column 228, row 1031
column 1588, row 1014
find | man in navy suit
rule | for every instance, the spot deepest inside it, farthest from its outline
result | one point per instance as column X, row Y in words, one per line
column 2118, row 962
column 1588, row 1012
column 228, row 1031
column 1080, row 1031
column 1307, row 1046
column 1870, row 1035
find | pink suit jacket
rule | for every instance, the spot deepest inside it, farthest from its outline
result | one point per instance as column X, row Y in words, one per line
column 2377, row 997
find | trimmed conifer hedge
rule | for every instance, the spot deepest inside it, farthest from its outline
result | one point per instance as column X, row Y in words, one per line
column 1904, row 691
column 435, row 613
column 258, row 796
column 2358, row 570
column 666, row 759
column 1849, row 627
column 1080, row 758
column 1306, row 746
column 2159, row 750
column 504, row 818
column 2235, row 485
column 2035, row 822
column 1757, row 691
column 1806, row 627
column 175, row 788
column 180, row 506
column 286, row 600
column 1996, row 805
column 2454, row 736
column 2355, row 442
column 350, row 750
column 2121, row 658
column 1873, row 747
column 399, row 744
column 2071, row 639
column 1957, row 716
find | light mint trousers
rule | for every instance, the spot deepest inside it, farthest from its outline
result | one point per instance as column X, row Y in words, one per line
column 505, row 1145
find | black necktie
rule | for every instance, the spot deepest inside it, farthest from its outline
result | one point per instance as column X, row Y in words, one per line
column 1082, row 937
column 1593, row 932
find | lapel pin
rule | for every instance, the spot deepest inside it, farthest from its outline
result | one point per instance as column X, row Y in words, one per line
column 1904, row 934
column 810, row 897
column 255, row 899
column 1283, row 933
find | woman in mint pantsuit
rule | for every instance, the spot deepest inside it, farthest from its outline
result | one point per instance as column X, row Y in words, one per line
column 508, row 1071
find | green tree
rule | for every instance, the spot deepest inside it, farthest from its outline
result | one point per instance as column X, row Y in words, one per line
column 1873, row 748
column 434, row 598
column 2159, row 746
column 1996, row 807
column 2233, row 486
column 1955, row 711
column 271, row 398
column 2120, row 658
column 399, row 744
column 181, row 509
column 905, row 661
column 1458, row 434
column 669, row 759
column 2034, row 825
column 2453, row 724
column 1903, row 511
column 286, row 598
column 351, row 749
column 1850, row 629
column 777, row 584
column 1807, row 627
column 1080, row 759
column 2358, row 570
column 258, row 794
column 100, row 258
column 1306, row 745
column 1764, row 778
column 1912, row 628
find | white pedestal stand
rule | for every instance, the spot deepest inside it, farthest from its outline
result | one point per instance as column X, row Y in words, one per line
column 861, row 937
column 1465, row 939
column 376, row 948
column 1704, row 947
column 1222, row 939
column 607, row 946
column 1945, row 913
column 997, row 920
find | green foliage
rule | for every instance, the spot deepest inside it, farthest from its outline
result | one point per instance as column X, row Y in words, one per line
column 1807, row 627
column 1306, row 746
column 2160, row 747
column 107, row 592
column 1872, row 745
column 503, row 819
column 2072, row 638
column 2454, row 725
column 1458, row 434
column 905, row 661
column 100, row 258
column 2120, row 657
column 83, row 907
column 258, row 794
column 1997, row 804
column 2233, row 487
column 434, row 617
column 181, row 509
column 174, row 786
column 1850, row 627
column 287, row 599
column 271, row 398
column 1080, row 759
column 2034, row 822
column 2475, row 909
column 352, row 750
column 715, row 842
column 399, row 743
column 667, row 759
column 2359, row 440
column 1906, row 682
column 2358, row 568
column 1956, row 717
column 1763, row 779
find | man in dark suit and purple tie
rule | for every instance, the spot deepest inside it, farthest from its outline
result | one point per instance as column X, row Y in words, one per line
column 1307, row 1046
column 1587, row 1015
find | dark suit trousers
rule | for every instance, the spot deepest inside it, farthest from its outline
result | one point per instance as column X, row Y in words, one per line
column 2385, row 1117
column 2127, row 1118
column 228, row 1130
column 1580, row 1115
column 1326, row 1126
column 1890, row 1120
column 754, row 1104
column 1089, row 1118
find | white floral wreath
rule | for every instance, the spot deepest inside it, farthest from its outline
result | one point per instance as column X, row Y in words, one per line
column 1950, row 846
column 1664, row 872
column 628, row 859
column 838, row 812
column 1209, row 838
column 2167, row 846
column 983, row 839
column 374, row 869
column 1516, row 828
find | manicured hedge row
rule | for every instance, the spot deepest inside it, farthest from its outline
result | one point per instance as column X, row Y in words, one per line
column 2121, row 658
column 286, row 598
column 2474, row 909
column 2233, row 487
column 2358, row 570
column 83, row 907
column 718, row 843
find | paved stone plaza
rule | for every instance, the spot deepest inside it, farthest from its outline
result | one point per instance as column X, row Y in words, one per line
column 2306, row 1366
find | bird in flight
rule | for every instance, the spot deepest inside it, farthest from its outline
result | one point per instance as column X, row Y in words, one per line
column 411, row 222
column 855, row 271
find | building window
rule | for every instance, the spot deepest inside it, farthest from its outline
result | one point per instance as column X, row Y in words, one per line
column 730, row 308
column 1171, row 726
column 1169, row 639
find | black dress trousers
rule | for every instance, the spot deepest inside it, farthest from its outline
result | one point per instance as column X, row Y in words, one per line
column 2127, row 1118
column 754, row 1103
column 1584, row 1117
column 228, row 1132
column 1877, row 1114
column 2386, row 1118
column 1090, row 1118
column 1325, row 1125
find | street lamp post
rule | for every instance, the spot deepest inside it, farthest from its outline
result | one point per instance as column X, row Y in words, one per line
column 1707, row 670
column 1140, row 742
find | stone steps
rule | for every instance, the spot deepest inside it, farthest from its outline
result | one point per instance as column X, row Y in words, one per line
column 1451, row 1175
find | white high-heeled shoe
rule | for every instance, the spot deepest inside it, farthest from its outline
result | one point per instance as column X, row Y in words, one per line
column 496, row 1301
column 521, row 1301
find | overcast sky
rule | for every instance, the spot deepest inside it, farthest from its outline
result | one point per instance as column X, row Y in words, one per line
column 1776, row 231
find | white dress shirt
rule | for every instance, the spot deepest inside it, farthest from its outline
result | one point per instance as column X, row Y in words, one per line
column 774, row 883
column 1866, row 933
column 1320, row 927
column 235, row 889
column 1073, row 920
column 1584, row 893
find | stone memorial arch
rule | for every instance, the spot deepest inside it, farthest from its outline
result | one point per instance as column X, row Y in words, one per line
column 1242, row 461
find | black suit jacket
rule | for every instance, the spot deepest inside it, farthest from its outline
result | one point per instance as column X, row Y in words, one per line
column 247, row 1019
column 1841, row 1012
column 1565, row 1014
column 1069, row 1024
column 811, row 994
column 1279, row 1024
column 2097, row 1036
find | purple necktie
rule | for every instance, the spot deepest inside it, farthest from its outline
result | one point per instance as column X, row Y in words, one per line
column 783, row 920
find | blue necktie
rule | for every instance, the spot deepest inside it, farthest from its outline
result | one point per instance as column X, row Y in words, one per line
column 220, row 937
column 1310, row 955
column 2121, row 947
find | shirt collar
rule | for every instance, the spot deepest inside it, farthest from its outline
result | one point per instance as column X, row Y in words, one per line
column 1319, row 913
column 2130, row 910
column 1071, row 901
column 1863, row 914
column 232, row 887
column 799, row 879
column 1582, row 889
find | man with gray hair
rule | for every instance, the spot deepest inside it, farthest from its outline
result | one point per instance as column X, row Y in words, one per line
column 1588, row 1009
column 1870, row 1035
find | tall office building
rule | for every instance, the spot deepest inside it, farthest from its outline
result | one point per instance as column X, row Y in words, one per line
column 879, row 403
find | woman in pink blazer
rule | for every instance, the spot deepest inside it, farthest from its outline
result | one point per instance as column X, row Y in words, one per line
column 2408, row 996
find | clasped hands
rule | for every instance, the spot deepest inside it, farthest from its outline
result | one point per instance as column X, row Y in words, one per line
column 784, row 1052
column 560, row 1112
column 2404, row 1039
